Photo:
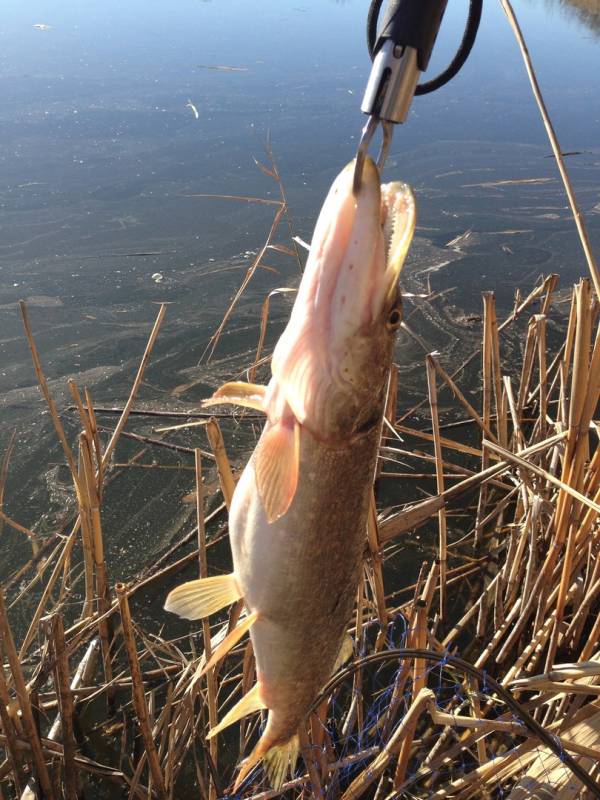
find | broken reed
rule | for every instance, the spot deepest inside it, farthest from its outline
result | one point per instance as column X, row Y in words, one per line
column 539, row 475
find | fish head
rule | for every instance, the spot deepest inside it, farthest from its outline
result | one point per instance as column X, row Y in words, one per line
column 332, row 362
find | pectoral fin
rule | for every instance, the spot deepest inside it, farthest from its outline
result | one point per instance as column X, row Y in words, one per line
column 277, row 465
column 229, row 642
column 239, row 393
column 249, row 703
column 200, row 598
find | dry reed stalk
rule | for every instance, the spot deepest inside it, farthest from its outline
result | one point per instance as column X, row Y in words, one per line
column 487, row 372
column 419, row 678
column 518, row 438
column 501, row 420
column 459, row 626
column 576, row 449
column 527, row 367
column 577, row 213
column 312, row 763
column 28, row 720
column 138, row 696
column 376, row 563
column 56, row 636
column 226, row 480
column 540, row 321
column 389, row 415
column 83, row 414
column 19, row 528
column 451, row 444
column 87, row 544
column 497, row 637
column 89, row 407
column 37, row 365
column 482, row 755
column 11, row 733
column 405, row 670
column 439, row 472
column 92, row 507
column 4, row 471
column 47, row 592
column 264, row 319
column 134, row 389
column 214, row 339
column 482, row 616
column 532, row 561
column 211, row 679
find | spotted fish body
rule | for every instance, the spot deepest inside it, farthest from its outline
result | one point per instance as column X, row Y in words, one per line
column 301, row 571
column 299, row 512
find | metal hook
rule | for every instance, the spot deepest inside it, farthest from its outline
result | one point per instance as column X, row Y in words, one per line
column 363, row 147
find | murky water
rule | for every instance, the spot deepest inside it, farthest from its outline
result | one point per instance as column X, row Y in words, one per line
column 100, row 152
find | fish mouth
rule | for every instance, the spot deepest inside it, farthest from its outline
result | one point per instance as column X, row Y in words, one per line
column 357, row 252
column 368, row 256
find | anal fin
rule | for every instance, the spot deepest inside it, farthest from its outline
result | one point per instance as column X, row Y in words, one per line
column 277, row 465
column 249, row 703
column 229, row 642
column 200, row 598
column 239, row 393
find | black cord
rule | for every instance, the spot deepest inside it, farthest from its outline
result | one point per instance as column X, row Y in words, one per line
column 465, row 47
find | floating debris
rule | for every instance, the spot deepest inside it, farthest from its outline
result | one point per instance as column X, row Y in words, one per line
column 189, row 104
column 221, row 67
column 41, row 26
column 458, row 241
column 157, row 277
column 507, row 182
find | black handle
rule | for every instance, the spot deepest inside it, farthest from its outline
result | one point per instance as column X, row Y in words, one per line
column 413, row 23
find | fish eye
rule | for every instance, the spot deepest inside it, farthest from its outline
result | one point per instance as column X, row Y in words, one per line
column 394, row 319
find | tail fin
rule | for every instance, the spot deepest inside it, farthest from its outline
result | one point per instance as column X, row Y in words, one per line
column 278, row 761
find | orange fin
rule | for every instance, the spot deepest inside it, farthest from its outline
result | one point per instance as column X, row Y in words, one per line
column 277, row 465
column 249, row 703
column 200, row 598
column 229, row 642
column 239, row 393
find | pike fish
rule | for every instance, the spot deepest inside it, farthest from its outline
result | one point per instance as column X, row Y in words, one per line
column 298, row 517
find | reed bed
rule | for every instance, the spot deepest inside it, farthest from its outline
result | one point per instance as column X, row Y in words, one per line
column 482, row 679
